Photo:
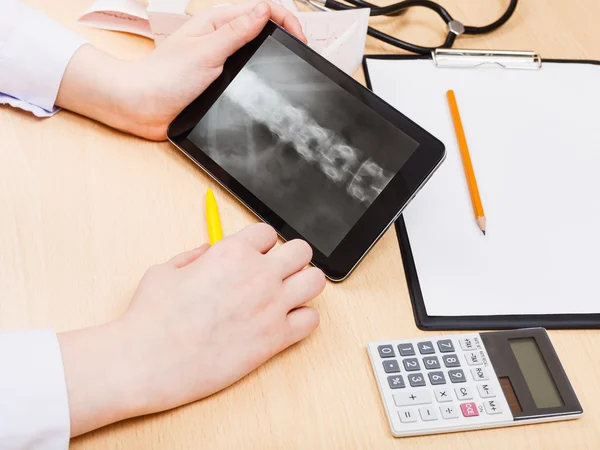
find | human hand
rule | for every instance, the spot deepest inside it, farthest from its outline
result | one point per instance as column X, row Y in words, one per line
column 197, row 324
column 144, row 96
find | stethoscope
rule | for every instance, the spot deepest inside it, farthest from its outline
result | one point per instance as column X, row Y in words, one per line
column 455, row 28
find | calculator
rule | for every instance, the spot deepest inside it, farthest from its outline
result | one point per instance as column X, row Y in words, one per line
column 471, row 381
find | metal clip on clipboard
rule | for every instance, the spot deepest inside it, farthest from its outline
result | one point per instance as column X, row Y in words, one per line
column 456, row 58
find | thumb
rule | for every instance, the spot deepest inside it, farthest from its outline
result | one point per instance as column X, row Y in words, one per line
column 185, row 258
column 232, row 36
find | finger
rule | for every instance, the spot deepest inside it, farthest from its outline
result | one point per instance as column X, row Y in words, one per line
column 287, row 20
column 211, row 19
column 185, row 258
column 300, row 323
column 233, row 35
column 302, row 287
column 260, row 236
column 291, row 257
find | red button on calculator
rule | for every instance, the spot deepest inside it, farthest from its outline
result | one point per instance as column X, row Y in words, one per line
column 469, row 409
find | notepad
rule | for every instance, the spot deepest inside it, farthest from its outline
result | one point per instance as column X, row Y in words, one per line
column 534, row 138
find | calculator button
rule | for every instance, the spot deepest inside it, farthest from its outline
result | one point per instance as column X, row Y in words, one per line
column 469, row 409
column 416, row 397
column 426, row 348
column 428, row 413
column 386, row 351
column 437, row 378
column 473, row 358
column 396, row 382
column 416, row 379
column 445, row 346
column 479, row 374
column 451, row 360
column 463, row 393
column 457, row 376
column 391, row 366
column 449, row 412
column 407, row 415
column 467, row 344
column 443, row 395
column 411, row 364
column 485, row 391
column 431, row 362
column 492, row 407
column 406, row 350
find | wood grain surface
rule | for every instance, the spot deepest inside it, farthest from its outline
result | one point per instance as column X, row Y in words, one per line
column 84, row 210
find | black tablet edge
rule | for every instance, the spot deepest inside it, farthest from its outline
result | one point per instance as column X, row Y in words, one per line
column 496, row 322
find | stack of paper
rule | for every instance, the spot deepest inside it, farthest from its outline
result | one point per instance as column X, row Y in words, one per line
column 338, row 36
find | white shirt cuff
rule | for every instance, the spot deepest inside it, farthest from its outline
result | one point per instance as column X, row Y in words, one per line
column 34, row 53
column 34, row 409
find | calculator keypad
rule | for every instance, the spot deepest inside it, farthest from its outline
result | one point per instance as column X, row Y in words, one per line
column 438, row 385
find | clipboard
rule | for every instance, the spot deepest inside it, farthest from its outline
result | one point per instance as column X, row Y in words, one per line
column 444, row 59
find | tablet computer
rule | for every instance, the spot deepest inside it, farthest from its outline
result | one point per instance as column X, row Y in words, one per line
column 306, row 148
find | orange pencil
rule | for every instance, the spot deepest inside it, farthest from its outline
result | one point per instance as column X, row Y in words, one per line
column 466, row 160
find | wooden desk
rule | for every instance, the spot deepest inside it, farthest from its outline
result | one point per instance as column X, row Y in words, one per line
column 85, row 210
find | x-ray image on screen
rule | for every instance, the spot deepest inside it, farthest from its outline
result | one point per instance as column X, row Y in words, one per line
column 304, row 146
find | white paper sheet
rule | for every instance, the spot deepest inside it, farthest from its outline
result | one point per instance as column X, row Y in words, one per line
column 118, row 15
column 337, row 35
column 535, row 146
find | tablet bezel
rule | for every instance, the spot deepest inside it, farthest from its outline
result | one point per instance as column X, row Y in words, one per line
column 381, row 213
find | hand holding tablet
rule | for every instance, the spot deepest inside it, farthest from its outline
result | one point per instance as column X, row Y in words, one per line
column 306, row 148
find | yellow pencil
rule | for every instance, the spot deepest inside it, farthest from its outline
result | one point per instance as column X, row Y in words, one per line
column 213, row 220
column 466, row 160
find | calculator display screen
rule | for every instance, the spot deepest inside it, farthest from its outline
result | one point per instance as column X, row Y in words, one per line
column 536, row 373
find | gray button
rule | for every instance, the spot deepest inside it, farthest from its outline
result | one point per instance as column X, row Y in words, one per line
column 445, row 346
column 451, row 360
column 426, row 348
column 416, row 379
column 406, row 350
column 396, row 382
column 411, row 364
column 391, row 366
column 437, row 377
column 431, row 362
column 457, row 376
column 386, row 351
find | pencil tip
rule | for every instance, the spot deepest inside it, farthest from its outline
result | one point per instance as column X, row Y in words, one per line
column 483, row 231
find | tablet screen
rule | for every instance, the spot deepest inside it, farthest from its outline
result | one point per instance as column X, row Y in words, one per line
column 309, row 150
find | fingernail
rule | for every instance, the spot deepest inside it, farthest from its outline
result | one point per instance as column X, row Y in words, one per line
column 260, row 10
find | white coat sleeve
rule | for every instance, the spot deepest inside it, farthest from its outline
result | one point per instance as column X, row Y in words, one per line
column 34, row 53
column 34, row 409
